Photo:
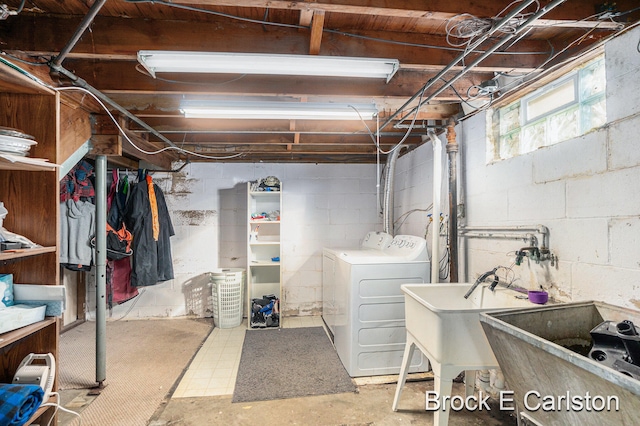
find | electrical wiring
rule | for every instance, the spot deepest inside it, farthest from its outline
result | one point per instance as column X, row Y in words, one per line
column 15, row 58
column 376, row 138
column 443, row 263
column 403, row 217
column 224, row 15
column 19, row 9
column 472, row 27
column 551, row 58
column 58, row 406
column 143, row 71
column 508, row 270
column 555, row 54
column 520, row 78
column 140, row 293
column 326, row 30
column 443, row 272
column 426, row 46
column 168, row 148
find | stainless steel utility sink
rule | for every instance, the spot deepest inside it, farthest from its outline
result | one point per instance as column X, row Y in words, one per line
column 555, row 385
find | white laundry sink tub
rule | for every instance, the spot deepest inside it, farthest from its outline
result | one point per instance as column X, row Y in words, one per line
column 446, row 328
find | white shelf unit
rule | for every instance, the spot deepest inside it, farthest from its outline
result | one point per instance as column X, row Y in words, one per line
column 264, row 274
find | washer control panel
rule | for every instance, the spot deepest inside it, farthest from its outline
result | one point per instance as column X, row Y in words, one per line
column 376, row 240
column 408, row 247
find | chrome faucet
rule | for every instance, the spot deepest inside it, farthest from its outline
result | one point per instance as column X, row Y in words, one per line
column 481, row 279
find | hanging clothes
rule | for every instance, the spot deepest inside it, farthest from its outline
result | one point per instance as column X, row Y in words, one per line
column 119, row 288
column 152, row 260
column 77, row 218
column 77, row 184
column 77, row 227
column 118, row 280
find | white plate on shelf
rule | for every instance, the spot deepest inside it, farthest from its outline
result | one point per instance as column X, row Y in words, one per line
column 15, row 145
column 9, row 131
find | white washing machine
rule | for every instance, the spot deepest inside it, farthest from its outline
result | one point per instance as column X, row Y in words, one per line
column 367, row 316
column 373, row 243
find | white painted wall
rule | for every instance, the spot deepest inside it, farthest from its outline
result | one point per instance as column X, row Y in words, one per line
column 330, row 205
column 585, row 190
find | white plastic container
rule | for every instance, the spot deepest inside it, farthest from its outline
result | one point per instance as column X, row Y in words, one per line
column 227, row 287
column 18, row 316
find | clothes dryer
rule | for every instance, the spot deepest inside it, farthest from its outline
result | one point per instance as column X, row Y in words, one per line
column 368, row 319
column 373, row 243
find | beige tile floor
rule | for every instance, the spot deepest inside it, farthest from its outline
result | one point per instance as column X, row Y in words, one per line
column 214, row 368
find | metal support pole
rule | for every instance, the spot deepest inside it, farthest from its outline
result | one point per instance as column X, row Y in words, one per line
column 452, row 152
column 101, row 268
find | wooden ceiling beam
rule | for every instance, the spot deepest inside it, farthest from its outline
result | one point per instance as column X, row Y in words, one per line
column 187, row 139
column 118, row 39
column 317, row 25
column 188, row 125
column 265, row 149
column 570, row 14
column 167, row 104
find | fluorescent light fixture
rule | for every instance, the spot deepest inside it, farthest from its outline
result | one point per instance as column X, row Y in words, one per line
column 278, row 110
column 257, row 63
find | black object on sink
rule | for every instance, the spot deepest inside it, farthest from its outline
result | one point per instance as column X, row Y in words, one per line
column 617, row 345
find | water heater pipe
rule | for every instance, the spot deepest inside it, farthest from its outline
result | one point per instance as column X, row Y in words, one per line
column 437, row 188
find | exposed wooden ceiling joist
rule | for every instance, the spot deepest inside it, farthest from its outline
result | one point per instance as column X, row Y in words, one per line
column 412, row 31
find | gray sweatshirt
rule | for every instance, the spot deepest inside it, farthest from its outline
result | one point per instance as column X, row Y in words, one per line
column 77, row 227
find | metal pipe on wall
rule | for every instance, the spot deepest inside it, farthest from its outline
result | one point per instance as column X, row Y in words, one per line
column 101, row 269
column 529, row 238
column 494, row 29
column 79, row 82
column 522, row 229
column 487, row 52
column 452, row 151
column 56, row 66
column 86, row 21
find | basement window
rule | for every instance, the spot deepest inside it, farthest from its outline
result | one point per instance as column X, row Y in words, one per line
column 567, row 108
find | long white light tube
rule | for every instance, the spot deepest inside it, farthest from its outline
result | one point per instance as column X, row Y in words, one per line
column 257, row 63
column 277, row 110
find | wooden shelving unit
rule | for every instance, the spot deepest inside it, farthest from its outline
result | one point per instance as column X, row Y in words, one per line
column 264, row 274
column 22, row 253
column 29, row 189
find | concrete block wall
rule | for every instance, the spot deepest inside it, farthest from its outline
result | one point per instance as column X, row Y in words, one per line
column 330, row 205
column 585, row 190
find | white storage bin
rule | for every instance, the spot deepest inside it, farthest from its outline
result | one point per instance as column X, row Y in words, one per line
column 227, row 296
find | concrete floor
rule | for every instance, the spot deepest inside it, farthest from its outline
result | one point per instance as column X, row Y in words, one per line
column 371, row 405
